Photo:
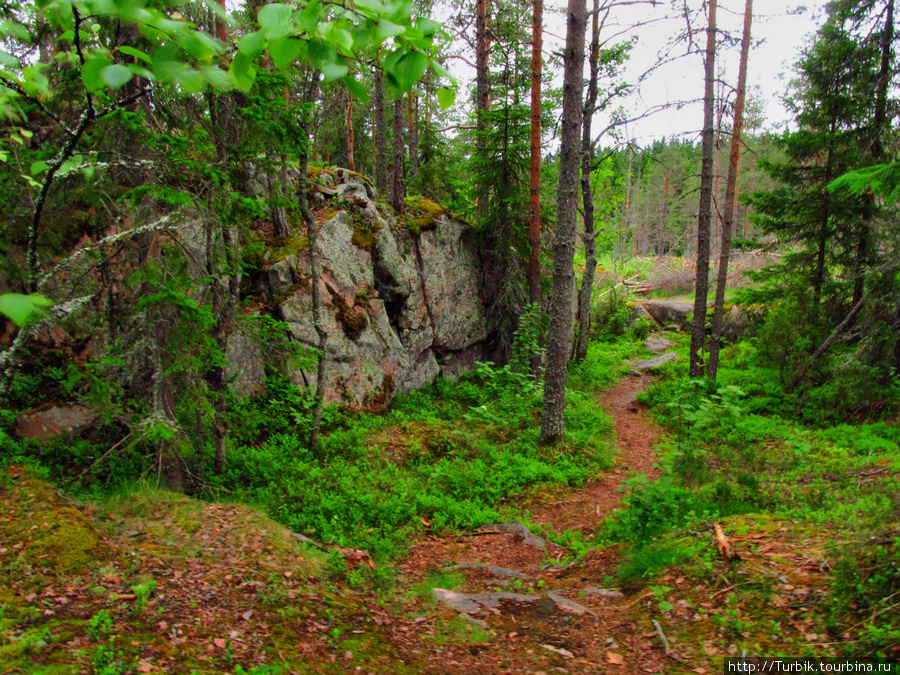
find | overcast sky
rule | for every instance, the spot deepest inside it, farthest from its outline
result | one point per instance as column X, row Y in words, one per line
column 779, row 33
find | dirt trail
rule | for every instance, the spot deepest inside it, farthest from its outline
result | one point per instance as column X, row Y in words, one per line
column 635, row 436
column 556, row 617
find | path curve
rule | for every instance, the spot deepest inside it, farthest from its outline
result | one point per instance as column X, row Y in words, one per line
column 636, row 436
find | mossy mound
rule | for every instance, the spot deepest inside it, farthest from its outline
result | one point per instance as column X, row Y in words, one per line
column 421, row 215
column 43, row 531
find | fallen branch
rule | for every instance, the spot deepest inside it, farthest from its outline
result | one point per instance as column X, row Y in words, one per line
column 725, row 549
column 662, row 636
column 827, row 344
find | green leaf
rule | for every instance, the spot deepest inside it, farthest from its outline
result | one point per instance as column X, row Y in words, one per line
column 333, row 71
column 665, row 606
column 428, row 26
column 446, row 97
column 22, row 308
column 38, row 167
column 284, row 52
column 252, row 43
column 217, row 77
column 242, row 71
column 440, row 71
column 359, row 92
column 191, row 81
column 344, row 40
column 363, row 36
column 136, row 53
column 371, row 9
column 34, row 82
column 90, row 72
column 71, row 163
column 8, row 60
column 140, row 71
column 275, row 21
column 116, row 76
column 322, row 53
column 409, row 69
column 387, row 29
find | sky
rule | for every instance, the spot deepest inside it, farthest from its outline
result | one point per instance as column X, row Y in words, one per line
column 779, row 33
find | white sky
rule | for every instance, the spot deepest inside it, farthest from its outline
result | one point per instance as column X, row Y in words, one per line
column 779, row 33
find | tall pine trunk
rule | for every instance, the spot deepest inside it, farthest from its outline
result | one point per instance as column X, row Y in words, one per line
column 381, row 172
column 398, row 183
column 482, row 72
column 534, row 188
column 698, row 327
column 587, row 193
column 559, row 336
column 730, row 196
column 412, row 109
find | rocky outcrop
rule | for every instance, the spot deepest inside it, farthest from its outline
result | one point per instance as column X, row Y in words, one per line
column 668, row 312
column 399, row 308
column 54, row 420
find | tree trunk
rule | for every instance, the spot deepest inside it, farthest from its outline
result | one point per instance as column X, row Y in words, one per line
column 398, row 183
column 381, row 172
column 587, row 193
column 559, row 335
column 663, row 217
column 310, row 221
column 351, row 141
column 534, row 188
column 698, row 327
column 482, row 72
column 412, row 107
column 730, row 195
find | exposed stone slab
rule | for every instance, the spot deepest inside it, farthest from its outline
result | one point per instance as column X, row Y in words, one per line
column 650, row 364
column 520, row 530
column 500, row 572
column 51, row 421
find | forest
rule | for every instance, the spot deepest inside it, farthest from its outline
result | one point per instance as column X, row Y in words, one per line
column 404, row 336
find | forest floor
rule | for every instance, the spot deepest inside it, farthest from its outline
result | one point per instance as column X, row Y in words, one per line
column 158, row 582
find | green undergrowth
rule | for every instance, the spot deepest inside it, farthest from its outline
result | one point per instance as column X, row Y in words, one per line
column 743, row 448
column 447, row 455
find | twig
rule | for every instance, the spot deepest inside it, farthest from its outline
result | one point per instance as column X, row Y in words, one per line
column 102, row 457
column 642, row 598
column 722, row 592
column 724, row 545
column 662, row 636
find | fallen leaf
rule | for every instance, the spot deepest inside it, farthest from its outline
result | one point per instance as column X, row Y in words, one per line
column 564, row 652
column 220, row 643
column 246, row 615
column 701, row 671
column 615, row 659
column 144, row 667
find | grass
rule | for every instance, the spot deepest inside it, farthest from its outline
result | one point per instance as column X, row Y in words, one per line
column 745, row 454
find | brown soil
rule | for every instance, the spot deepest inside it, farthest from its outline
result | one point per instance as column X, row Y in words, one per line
column 525, row 636
column 636, row 435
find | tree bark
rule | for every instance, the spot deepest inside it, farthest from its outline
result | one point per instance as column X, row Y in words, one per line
column 398, row 182
column 381, row 172
column 351, row 140
column 698, row 327
column 322, row 335
column 534, row 189
column 587, row 193
column 559, row 335
column 412, row 108
column 730, row 196
column 482, row 71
